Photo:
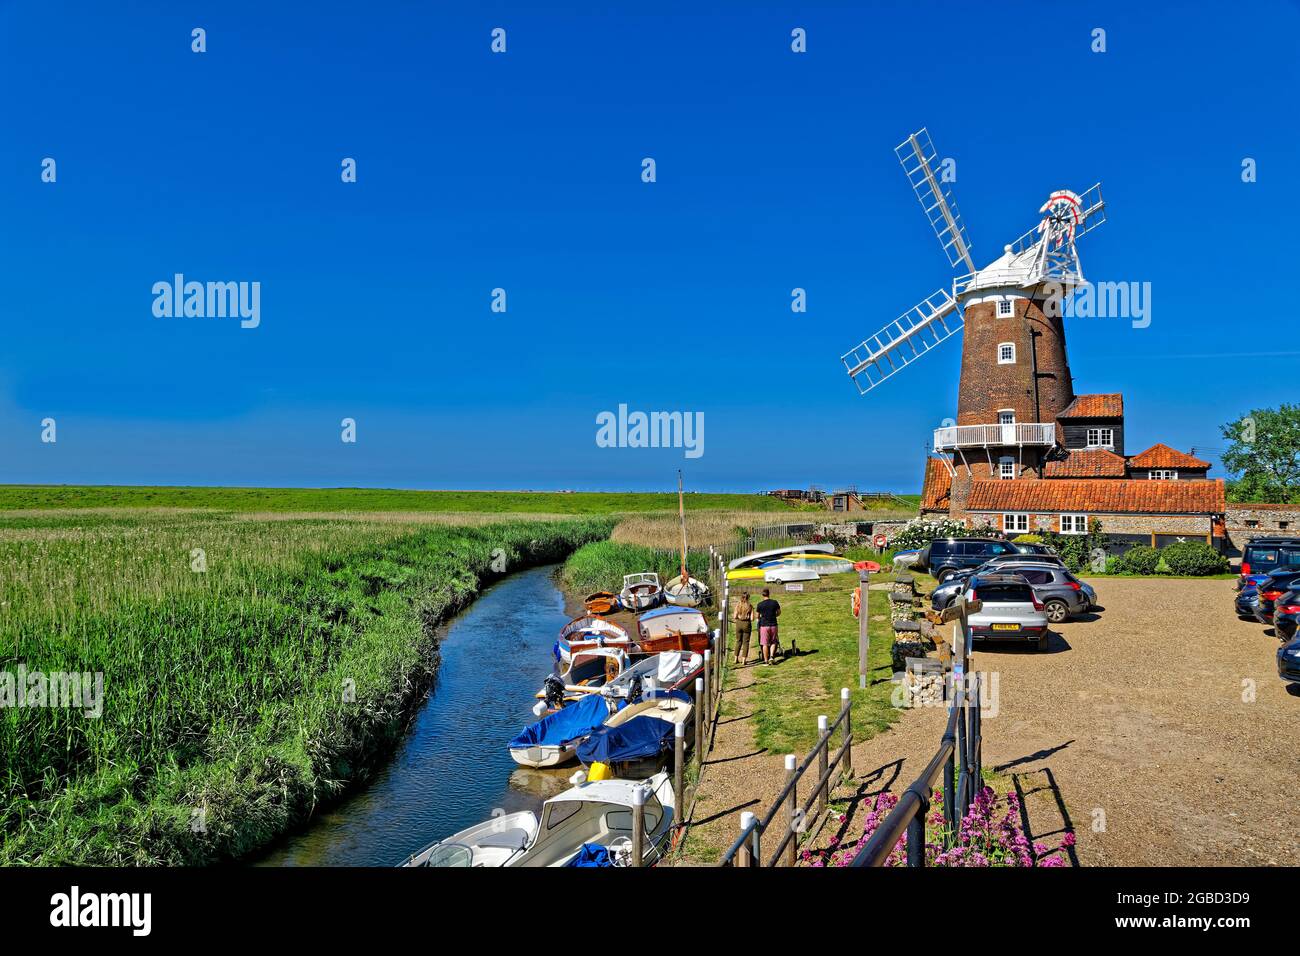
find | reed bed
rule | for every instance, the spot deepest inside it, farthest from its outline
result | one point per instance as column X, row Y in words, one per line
column 238, row 692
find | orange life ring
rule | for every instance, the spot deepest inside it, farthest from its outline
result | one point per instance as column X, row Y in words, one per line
column 857, row 601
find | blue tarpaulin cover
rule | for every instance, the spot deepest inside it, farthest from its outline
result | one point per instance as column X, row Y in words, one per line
column 591, row 854
column 567, row 723
column 639, row 737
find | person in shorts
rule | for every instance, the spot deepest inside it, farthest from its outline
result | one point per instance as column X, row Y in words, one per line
column 742, row 615
column 768, row 611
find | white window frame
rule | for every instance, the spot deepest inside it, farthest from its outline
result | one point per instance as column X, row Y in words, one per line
column 1100, row 432
column 1007, row 345
column 1007, row 411
column 1017, row 521
column 1074, row 521
column 1163, row 474
column 1006, row 464
column 1006, row 308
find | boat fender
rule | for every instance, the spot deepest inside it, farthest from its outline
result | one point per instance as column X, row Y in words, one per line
column 857, row 601
column 580, row 776
column 597, row 771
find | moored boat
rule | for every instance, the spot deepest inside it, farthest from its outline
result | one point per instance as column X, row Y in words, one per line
column 591, row 824
column 586, row 632
column 586, row 672
column 493, row 842
column 641, row 591
column 637, row 741
column 553, row 740
column 602, row 602
column 673, row 629
column 667, row 670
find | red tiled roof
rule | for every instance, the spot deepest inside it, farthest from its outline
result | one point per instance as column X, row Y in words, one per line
column 1105, row 496
column 1162, row 456
column 1095, row 406
column 937, row 487
column 1087, row 463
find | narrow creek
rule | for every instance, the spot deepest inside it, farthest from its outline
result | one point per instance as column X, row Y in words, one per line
column 453, row 769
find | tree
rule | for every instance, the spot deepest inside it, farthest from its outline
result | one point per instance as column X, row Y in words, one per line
column 1264, row 451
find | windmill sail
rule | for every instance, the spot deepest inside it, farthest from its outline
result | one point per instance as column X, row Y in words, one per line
column 903, row 341
column 917, row 155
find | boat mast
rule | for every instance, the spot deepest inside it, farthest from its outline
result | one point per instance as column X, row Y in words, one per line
column 681, row 511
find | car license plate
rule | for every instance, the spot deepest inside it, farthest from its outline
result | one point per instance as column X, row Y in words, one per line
column 1006, row 627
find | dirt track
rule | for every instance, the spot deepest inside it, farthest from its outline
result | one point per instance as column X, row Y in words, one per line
column 1138, row 730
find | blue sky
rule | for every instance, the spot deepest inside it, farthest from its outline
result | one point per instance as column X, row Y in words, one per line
column 523, row 171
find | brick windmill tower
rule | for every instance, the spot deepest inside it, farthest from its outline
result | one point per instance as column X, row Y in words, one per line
column 1015, row 375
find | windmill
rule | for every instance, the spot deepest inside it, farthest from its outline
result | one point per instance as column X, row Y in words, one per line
column 1040, row 264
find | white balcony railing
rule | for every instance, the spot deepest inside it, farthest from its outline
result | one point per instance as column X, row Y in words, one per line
column 1019, row 433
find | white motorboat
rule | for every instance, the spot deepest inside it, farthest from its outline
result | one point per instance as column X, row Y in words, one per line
column 641, row 591
column 667, row 670
column 494, row 842
column 783, row 575
column 588, row 670
column 591, row 824
column 761, row 557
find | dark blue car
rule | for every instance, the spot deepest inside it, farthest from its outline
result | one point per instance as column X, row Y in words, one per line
column 1288, row 662
column 1272, row 588
column 1286, row 615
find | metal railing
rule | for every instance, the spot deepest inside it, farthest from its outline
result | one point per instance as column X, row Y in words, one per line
column 1012, row 433
column 747, row 848
column 959, row 758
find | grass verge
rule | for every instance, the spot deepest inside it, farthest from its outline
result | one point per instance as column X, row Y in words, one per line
column 237, row 700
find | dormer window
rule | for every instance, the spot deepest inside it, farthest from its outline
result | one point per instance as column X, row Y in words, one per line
column 1006, row 308
column 1163, row 474
column 1101, row 438
column 1007, row 353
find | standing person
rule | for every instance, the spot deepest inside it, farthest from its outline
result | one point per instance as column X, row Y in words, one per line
column 768, row 611
column 743, row 616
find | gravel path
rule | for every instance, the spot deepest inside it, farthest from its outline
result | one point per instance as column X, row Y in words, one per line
column 1157, row 730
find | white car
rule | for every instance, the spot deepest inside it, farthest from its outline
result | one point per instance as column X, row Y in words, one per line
column 1009, row 610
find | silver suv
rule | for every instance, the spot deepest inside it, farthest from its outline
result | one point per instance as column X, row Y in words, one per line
column 1061, row 593
column 1009, row 610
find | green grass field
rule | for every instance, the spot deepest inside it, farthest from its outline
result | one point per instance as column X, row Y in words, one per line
column 240, row 690
column 25, row 497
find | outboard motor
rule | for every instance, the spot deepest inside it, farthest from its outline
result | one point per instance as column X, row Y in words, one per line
column 553, row 692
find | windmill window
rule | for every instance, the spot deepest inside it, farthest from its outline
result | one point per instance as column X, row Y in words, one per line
column 1101, row 438
column 1007, row 416
column 1006, row 468
column 1007, row 353
column 1005, row 308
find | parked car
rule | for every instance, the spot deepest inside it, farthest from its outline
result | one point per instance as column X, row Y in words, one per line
column 1286, row 615
column 1272, row 588
column 1266, row 555
column 1009, row 610
column 1030, row 548
column 1060, row 592
column 1247, row 602
column 1288, row 662
column 945, row 556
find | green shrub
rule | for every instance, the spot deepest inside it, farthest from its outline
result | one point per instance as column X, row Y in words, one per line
column 1140, row 559
column 919, row 532
column 1028, row 539
column 1113, row 564
column 1193, row 558
column 1080, row 552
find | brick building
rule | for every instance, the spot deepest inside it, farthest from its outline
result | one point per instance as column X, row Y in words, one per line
column 1027, row 454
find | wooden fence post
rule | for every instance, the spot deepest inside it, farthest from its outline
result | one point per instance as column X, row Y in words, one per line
column 699, row 724
column 743, row 856
column 846, row 731
column 823, row 762
column 792, row 808
column 679, row 768
column 638, row 825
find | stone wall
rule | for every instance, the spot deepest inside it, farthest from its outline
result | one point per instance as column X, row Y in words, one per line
column 1258, row 520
